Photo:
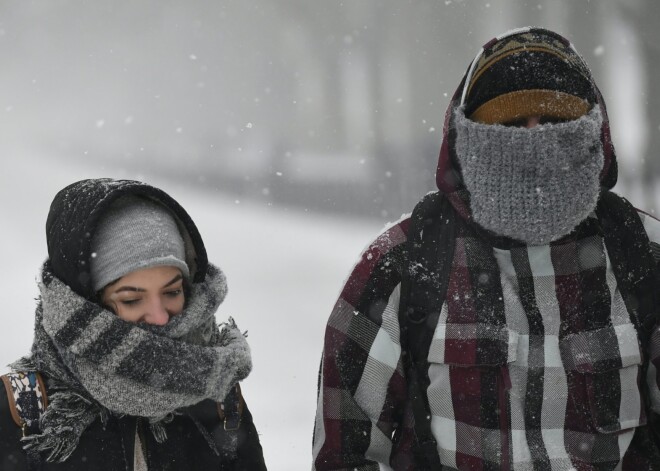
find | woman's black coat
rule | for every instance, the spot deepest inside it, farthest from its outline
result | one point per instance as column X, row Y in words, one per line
column 112, row 448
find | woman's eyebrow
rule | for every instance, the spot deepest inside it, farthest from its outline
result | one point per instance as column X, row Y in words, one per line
column 174, row 280
column 141, row 290
column 130, row 288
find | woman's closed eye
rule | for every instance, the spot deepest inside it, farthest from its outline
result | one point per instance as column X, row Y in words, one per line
column 129, row 302
column 174, row 293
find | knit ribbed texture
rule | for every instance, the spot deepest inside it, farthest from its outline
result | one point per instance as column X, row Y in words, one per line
column 135, row 234
column 525, row 103
column 533, row 185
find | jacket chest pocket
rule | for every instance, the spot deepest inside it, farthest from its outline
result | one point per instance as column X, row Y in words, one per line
column 468, row 372
column 604, row 377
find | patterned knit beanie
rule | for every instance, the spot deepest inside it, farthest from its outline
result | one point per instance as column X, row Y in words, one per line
column 135, row 234
column 528, row 72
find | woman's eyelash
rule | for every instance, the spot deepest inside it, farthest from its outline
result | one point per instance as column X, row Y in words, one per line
column 171, row 294
column 129, row 302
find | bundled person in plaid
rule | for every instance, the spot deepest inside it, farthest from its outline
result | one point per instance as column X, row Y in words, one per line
column 509, row 323
column 128, row 369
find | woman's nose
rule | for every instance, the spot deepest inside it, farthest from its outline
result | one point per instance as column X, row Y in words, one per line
column 157, row 314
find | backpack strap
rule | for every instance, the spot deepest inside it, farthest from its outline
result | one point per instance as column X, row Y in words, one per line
column 27, row 399
column 632, row 255
column 425, row 275
column 230, row 410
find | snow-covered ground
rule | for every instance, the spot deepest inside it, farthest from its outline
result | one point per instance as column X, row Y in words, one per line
column 284, row 268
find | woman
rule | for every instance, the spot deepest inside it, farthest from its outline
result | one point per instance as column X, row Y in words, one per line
column 136, row 372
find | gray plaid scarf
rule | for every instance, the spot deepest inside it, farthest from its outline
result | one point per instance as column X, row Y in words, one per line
column 99, row 364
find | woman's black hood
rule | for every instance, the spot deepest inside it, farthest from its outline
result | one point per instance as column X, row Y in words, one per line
column 74, row 216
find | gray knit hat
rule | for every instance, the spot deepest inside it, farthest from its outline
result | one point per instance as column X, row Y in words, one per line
column 134, row 234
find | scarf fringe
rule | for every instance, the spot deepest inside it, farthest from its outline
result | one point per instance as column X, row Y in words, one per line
column 23, row 364
column 157, row 427
column 68, row 414
column 227, row 332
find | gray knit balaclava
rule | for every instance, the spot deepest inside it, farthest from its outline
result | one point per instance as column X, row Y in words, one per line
column 134, row 234
column 534, row 185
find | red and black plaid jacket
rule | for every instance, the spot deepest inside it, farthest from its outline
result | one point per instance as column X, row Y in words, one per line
column 362, row 394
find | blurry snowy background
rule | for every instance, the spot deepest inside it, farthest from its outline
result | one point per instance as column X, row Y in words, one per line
column 291, row 130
